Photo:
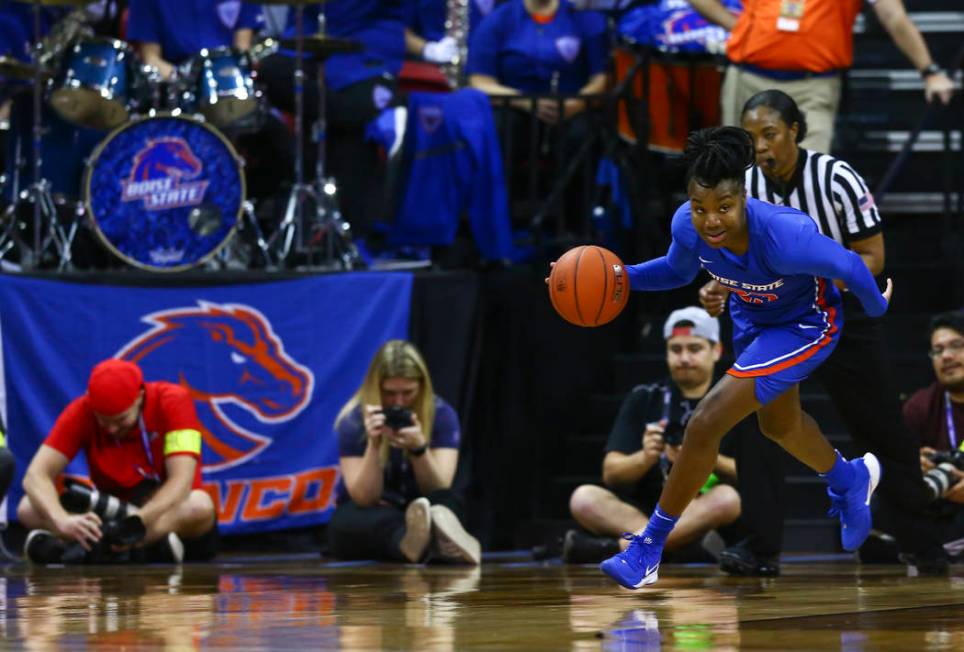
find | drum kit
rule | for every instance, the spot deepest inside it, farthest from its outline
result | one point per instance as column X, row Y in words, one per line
column 165, row 189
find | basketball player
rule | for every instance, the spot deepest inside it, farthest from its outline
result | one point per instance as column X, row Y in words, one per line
column 856, row 376
column 786, row 321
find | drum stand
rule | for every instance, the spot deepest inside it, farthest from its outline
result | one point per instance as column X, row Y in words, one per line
column 299, row 230
column 47, row 230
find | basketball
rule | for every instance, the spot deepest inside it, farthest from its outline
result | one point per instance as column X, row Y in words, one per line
column 588, row 286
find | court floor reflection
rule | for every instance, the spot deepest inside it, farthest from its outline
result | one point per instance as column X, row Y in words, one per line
column 302, row 604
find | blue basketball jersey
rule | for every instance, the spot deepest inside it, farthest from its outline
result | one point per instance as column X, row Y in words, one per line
column 778, row 279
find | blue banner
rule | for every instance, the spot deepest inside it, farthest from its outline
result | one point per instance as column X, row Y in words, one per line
column 269, row 365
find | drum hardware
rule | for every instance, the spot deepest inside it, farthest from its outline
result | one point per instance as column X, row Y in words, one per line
column 19, row 70
column 301, row 230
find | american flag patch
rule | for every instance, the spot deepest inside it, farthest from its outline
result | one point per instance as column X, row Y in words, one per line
column 866, row 202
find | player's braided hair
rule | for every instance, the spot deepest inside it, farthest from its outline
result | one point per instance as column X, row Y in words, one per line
column 718, row 154
column 782, row 104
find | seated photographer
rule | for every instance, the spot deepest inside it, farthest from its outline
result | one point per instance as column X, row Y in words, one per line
column 142, row 441
column 936, row 415
column 398, row 444
column 645, row 440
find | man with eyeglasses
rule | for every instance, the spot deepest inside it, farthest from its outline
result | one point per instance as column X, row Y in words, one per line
column 936, row 415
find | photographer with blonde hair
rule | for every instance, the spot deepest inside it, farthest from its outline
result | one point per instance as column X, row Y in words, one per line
column 398, row 448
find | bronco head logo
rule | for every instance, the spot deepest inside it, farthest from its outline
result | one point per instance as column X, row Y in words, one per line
column 231, row 361
column 165, row 157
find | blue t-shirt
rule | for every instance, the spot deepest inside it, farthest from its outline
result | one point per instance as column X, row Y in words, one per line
column 774, row 282
column 377, row 24
column 522, row 54
column 399, row 479
column 185, row 27
column 427, row 17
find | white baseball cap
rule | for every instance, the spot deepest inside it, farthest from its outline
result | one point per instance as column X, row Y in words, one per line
column 702, row 324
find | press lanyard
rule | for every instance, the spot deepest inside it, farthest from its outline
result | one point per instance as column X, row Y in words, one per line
column 951, row 430
column 667, row 401
column 152, row 474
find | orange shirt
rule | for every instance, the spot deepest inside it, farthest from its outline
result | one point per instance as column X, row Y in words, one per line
column 798, row 35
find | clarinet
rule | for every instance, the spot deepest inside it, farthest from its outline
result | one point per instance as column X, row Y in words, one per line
column 457, row 26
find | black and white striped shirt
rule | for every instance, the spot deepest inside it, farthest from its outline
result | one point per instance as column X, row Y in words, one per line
column 828, row 190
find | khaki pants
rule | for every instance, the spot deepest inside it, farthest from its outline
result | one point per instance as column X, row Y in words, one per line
column 817, row 97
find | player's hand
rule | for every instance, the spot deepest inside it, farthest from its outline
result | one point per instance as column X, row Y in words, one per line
column 926, row 463
column 713, row 298
column 940, row 86
column 408, row 438
column 551, row 265
column 889, row 290
column 653, row 443
column 375, row 426
column 82, row 528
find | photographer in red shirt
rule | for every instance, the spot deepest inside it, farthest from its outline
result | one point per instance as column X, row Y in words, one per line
column 143, row 447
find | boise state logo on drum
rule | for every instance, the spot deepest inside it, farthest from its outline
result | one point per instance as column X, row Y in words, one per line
column 161, row 176
column 242, row 383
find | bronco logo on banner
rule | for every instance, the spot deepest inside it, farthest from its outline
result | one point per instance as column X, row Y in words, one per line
column 268, row 365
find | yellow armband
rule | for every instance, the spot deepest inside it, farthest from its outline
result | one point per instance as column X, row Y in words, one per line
column 182, row 441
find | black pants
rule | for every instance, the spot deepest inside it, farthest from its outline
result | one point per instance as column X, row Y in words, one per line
column 7, row 469
column 352, row 161
column 858, row 380
column 374, row 532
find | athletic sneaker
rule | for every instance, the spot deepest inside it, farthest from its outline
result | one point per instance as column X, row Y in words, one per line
column 741, row 560
column 581, row 548
column 418, row 530
column 43, row 547
column 452, row 542
column 167, row 550
column 853, row 507
column 637, row 565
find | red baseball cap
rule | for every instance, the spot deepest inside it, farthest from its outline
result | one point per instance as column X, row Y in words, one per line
column 114, row 386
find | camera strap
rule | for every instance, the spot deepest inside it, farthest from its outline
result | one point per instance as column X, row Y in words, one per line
column 687, row 408
column 948, row 414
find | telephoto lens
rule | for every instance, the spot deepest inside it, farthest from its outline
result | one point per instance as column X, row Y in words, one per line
column 80, row 498
column 940, row 479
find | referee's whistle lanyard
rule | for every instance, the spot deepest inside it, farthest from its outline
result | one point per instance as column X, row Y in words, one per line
column 948, row 415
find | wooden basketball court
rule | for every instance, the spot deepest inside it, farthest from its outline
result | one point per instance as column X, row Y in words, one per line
column 300, row 603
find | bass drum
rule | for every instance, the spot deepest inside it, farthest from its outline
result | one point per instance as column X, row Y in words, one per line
column 164, row 193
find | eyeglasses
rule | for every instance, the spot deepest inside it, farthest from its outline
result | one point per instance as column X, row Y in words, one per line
column 954, row 346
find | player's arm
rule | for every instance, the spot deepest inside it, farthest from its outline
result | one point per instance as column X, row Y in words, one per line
column 678, row 267
column 893, row 16
column 176, row 488
column 715, row 12
column 796, row 247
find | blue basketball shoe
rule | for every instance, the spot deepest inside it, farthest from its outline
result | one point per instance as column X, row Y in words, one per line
column 853, row 507
column 637, row 565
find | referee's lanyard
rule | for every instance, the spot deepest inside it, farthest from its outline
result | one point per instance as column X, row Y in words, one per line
column 151, row 474
column 951, row 430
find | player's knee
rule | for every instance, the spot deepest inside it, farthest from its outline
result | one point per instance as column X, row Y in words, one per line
column 775, row 428
column 584, row 501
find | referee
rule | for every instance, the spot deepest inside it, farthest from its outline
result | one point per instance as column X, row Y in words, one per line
column 856, row 375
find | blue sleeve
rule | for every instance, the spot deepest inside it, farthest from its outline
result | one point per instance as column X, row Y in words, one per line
column 251, row 17
column 484, row 47
column 678, row 267
column 351, row 435
column 796, row 247
column 596, row 41
column 446, row 432
column 143, row 23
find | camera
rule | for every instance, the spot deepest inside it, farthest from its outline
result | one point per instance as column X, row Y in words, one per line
column 941, row 478
column 79, row 499
column 124, row 531
column 673, row 433
column 397, row 417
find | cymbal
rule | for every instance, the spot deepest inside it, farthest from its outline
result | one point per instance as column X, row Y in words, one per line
column 323, row 46
column 16, row 69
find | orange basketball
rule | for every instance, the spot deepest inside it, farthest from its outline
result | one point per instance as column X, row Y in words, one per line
column 588, row 286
